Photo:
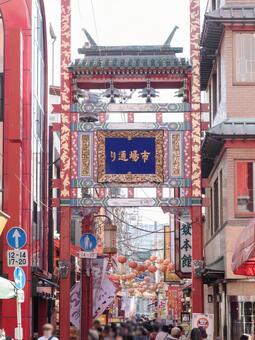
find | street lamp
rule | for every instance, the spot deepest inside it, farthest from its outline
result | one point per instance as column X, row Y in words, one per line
column 110, row 236
column 110, row 232
column 3, row 220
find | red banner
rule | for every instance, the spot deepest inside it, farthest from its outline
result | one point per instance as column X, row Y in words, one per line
column 174, row 302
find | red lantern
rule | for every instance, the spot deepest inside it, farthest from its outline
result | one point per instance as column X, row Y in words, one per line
column 132, row 264
column 153, row 258
column 122, row 259
column 140, row 268
column 166, row 262
column 131, row 276
column 152, row 268
column 163, row 268
column 147, row 263
column 114, row 277
column 171, row 267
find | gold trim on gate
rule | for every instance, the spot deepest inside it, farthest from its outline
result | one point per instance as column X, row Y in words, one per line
column 158, row 177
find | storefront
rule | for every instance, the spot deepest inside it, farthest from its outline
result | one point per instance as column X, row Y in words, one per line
column 241, row 316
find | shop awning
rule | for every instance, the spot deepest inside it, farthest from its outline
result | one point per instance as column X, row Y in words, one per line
column 243, row 260
column 214, row 272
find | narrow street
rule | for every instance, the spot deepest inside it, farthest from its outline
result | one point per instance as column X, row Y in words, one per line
column 127, row 170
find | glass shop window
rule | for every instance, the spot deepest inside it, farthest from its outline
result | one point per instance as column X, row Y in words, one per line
column 244, row 57
column 245, row 187
column 242, row 319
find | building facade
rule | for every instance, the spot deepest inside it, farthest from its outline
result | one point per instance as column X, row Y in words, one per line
column 24, row 156
column 228, row 77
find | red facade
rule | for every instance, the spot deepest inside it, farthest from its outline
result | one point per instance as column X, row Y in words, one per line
column 17, row 150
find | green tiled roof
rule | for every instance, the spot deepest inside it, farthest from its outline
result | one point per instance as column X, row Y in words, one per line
column 129, row 62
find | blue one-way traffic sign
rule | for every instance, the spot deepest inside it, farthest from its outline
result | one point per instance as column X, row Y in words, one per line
column 19, row 278
column 16, row 238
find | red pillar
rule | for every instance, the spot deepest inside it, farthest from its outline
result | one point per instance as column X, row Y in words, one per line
column 65, row 191
column 197, row 255
column 196, row 212
column 86, row 286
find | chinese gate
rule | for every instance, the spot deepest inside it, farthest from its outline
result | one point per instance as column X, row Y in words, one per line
column 98, row 155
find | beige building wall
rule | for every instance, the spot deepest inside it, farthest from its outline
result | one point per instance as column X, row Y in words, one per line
column 236, row 100
column 222, row 242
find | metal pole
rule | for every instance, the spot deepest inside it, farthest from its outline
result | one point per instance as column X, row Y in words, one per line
column 86, row 285
column 19, row 301
column 19, row 322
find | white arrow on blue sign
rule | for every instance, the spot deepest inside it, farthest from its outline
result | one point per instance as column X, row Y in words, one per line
column 19, row 278
column 88, row 242
column 16, row 238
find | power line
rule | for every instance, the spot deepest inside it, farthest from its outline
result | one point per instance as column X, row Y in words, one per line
column 132, row 226
column 94, row 19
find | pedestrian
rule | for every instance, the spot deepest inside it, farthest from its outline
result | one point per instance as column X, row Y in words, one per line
column 48, row 332
column 93, row 335
column 183, row 336
column 203, row 332
column 245, row 337
column 163, row 334
column 195, row 334
column 96, row 325
column 140, row 334
column 5, row 337
column 154, row 332
column 175, row 333
column 119, row 337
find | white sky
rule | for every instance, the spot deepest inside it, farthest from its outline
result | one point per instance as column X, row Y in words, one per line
column 122, row 22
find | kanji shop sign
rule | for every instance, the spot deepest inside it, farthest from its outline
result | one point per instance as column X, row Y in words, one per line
column 185, row 247
column 130, row 156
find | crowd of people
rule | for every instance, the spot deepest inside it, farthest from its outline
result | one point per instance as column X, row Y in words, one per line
column 144, row 330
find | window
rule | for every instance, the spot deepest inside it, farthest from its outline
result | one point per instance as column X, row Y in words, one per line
column 213, row 5
column 216, row 205
column 221, row 197
column 244, row 54
column 211, row 213
column 219, row 77
column 214, row 94
column 245, row 187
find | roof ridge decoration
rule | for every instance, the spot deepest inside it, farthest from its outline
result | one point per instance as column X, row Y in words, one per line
column 91, row 48
column 170, row 38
